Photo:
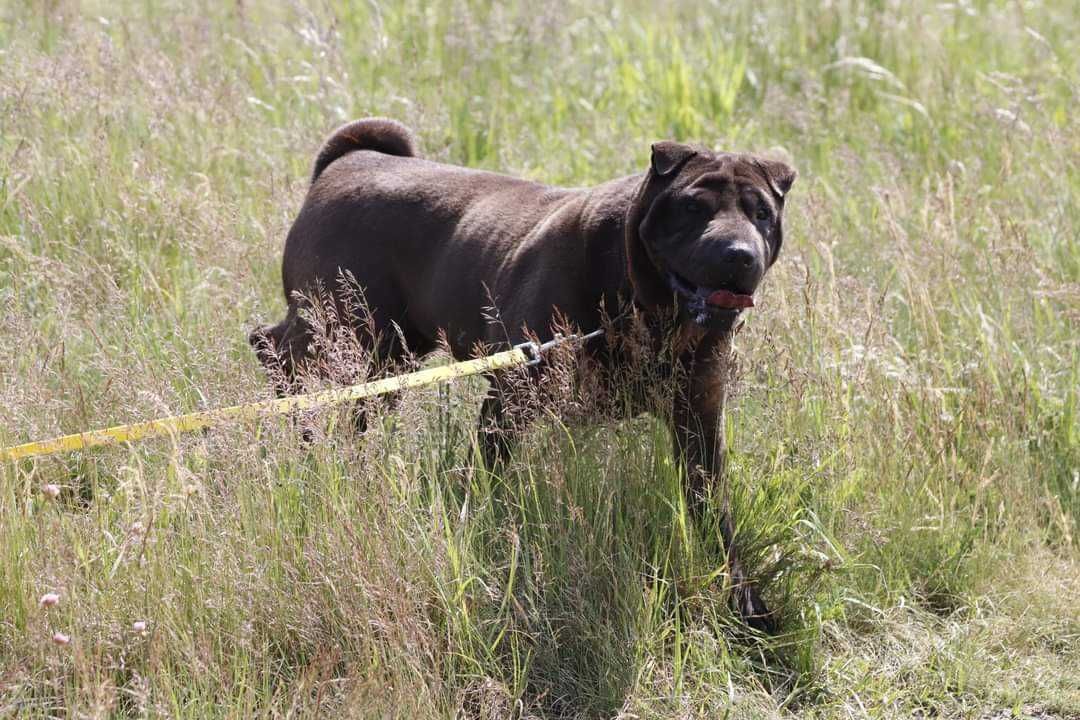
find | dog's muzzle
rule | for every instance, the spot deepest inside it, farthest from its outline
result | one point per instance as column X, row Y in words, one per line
column 707, row 305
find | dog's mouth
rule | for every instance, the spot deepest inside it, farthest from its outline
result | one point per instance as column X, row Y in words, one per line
column 706, row 304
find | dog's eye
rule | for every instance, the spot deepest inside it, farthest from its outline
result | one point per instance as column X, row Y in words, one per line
column 763, row 214
column 692, row 206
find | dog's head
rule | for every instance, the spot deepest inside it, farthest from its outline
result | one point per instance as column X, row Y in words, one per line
column 704, row 229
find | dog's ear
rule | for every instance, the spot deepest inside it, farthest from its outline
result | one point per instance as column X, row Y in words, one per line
column 780, row 175
column 667, row 156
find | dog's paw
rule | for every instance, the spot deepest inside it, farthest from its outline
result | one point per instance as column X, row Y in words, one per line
column 748, row 603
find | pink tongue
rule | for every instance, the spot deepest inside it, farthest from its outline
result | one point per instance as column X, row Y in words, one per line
column 728, row 299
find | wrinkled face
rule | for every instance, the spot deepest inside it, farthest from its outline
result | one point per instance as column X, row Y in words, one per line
column 713, row 228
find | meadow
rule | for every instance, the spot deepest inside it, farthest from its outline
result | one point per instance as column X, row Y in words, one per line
column 904, row 430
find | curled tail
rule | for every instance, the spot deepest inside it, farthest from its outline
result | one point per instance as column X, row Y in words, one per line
column 380, row 134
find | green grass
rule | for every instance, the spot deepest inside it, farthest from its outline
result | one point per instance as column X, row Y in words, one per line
column 905, row 431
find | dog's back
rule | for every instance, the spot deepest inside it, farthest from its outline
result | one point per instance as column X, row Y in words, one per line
column 435, row 246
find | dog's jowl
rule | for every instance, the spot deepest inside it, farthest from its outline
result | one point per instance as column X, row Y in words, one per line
column 679, row 249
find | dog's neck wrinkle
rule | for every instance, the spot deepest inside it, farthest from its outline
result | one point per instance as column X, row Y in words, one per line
column 604, row 220
column 651, row 290
column 608, row 214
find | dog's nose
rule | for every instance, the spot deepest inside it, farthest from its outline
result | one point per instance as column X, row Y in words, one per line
column 738, row 267
column 738, row 256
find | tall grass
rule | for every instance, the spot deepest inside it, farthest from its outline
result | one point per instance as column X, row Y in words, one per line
column 904, row 429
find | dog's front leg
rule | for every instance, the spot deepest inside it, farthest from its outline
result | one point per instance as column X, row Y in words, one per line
column 698, row 419
column 698, row 430
column 504, row 415
column 495, row 434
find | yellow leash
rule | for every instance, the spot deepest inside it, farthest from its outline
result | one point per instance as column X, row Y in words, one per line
column 524, row 354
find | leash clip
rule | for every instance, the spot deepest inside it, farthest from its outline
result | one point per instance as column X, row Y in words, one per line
column 532, row 351
column 535, row 351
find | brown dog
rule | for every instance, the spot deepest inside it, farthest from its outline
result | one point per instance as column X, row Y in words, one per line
column 683, row 246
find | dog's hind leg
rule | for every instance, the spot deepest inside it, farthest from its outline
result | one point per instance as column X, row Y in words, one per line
column 283, row 349
column 359, row 414
column 392, row 348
